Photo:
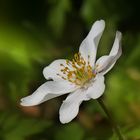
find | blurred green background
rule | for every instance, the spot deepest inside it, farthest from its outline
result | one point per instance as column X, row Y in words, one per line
column 33, row 33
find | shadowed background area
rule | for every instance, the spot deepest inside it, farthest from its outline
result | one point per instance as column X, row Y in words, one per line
column 33, row 33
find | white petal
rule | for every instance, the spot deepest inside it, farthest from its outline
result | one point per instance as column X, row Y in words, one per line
column 51, row 71
column 97, row 88
column 105, row 63
column 48, row 90
column 88, row 47
column 70, row 107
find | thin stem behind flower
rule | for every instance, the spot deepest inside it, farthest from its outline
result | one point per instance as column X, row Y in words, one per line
column 114, row 125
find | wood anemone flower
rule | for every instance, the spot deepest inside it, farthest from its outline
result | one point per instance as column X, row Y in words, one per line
column 82, row 77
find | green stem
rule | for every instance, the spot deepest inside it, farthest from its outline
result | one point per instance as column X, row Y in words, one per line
column 114, row 125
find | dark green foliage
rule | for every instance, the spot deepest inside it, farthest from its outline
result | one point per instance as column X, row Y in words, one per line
column 72, row 131
column 34, row 33
column 16, row 127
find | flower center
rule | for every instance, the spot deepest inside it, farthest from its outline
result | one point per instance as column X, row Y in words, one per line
column 77, row 71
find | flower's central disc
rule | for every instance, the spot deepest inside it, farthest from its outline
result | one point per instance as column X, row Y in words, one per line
column 77, row 71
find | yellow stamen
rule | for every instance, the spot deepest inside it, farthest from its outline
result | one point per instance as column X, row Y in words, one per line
column 77, row 71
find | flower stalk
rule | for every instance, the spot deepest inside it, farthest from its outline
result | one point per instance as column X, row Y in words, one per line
column 114, row 125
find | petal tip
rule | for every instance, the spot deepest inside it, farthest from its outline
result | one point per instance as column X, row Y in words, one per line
column 119, row 34
column 97, row 28
column 63, row 120
column 23, row 104
column 44, row 72
column 99, row 25
column 101, row 22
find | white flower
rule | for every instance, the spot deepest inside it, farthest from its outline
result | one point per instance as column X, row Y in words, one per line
column 82, row 77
